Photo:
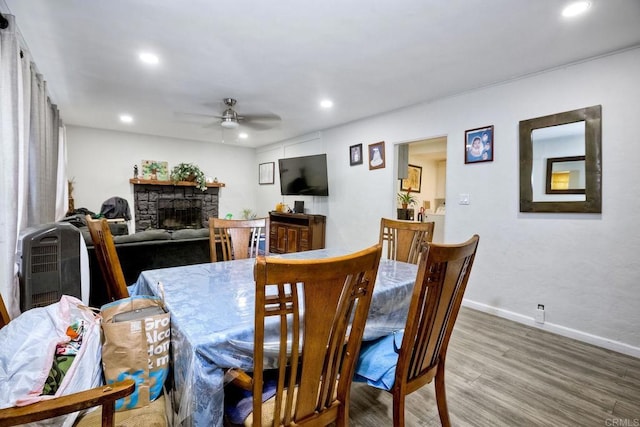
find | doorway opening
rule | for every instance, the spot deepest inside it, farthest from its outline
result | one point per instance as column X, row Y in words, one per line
column 428, row 159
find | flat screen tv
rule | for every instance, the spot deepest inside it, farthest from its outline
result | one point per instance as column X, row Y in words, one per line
column 304, row 176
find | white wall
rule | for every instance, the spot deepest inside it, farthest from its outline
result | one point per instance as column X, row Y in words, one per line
column 101, row 164
column 584, row 268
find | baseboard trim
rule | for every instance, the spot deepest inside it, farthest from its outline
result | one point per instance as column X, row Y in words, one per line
column 617, row 346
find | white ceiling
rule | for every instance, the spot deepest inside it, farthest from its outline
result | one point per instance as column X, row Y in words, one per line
column 282, row 57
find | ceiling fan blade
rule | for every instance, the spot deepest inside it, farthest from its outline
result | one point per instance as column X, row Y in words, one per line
column 256, row 125
column 260, row 117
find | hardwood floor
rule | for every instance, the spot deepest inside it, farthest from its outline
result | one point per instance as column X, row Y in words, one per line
column 502, row 373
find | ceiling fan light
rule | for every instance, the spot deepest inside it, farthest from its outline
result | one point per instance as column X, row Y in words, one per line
column 229, row 123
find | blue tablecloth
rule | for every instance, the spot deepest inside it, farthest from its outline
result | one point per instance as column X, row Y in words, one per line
column 212, row 322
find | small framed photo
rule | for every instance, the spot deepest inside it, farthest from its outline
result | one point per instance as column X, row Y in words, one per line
column 355, row 155
column 413, row 180
column 478, row 145
column 265, row 173
column 376, row 155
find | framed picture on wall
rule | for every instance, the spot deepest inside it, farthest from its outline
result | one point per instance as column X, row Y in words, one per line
column 155, row 170
column 478, row 145
column 413, row 181
column 265, row 173
column 355, row 155
column 376, row 155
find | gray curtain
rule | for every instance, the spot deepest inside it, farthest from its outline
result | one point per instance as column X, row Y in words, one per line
column 29, row 130
column 42, row 154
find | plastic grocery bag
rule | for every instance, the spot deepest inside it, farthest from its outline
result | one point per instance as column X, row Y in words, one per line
column 35, row 341
column 136, row 339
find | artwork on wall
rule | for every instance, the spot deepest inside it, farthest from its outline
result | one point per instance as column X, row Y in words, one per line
column 355, row 155
column 376, row 155
column 154, row 169
column 478, row 145
column 413, row 181
column 265, row 173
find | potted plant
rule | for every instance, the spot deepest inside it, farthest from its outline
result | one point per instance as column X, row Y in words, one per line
column 406, row 199
column 189, row 172
column 248, row 214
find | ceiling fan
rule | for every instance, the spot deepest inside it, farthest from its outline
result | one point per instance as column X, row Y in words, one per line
column 230, row 119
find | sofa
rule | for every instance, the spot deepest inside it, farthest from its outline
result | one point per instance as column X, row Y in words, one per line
column 146, row 250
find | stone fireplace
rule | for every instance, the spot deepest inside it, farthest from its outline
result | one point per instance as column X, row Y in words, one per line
column 161, row 204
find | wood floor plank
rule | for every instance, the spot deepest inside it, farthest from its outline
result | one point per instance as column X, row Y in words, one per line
column 502, row 373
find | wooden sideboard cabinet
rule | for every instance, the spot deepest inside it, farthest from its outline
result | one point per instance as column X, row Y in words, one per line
column 295, row 232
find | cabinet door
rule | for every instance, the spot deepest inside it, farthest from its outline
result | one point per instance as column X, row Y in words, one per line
column 292, row 239
column 273, row 238
column 281, row 238
column 304, row 243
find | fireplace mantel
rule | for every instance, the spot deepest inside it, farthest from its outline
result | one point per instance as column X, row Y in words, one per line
column 179, row 183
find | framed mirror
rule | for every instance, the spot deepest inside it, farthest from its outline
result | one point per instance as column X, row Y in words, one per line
column 565, row 175
column 561, row 162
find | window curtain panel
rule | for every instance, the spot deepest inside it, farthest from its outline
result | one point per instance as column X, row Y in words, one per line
column 29, row 156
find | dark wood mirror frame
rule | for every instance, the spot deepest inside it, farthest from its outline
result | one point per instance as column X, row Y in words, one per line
column 592, row 116
column 555, row 161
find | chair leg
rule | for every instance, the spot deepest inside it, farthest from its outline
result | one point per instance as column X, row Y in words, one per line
column 441, row 396
column 342, row 419
column 398, row 409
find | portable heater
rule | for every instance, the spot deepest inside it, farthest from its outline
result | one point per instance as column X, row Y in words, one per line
column 53, row 262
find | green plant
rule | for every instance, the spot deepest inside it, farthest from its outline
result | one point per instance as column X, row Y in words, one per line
column 189, row 172
column 248, row 214
column 407, row 198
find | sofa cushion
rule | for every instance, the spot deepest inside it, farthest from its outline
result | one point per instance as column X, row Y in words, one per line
column 190, row 233
column 143, row 236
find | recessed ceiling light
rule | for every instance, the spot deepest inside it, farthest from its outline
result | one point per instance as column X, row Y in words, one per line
column 243, row 135
column 326, row 103
column 576, row 8
column 149, row 58
column 126, row 118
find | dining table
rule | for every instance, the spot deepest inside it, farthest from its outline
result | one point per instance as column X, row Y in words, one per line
column 212, row 324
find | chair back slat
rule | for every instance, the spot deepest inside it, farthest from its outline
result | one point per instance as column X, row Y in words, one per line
column 403, row 240
column 107, row 256
column 238, row 239
column 319, row 308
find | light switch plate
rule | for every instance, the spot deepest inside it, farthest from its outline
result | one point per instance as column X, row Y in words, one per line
column 464, row 199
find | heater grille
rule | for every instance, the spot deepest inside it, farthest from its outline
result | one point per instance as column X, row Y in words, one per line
column 44, row 259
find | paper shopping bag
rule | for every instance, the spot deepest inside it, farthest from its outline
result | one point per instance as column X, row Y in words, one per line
column 136, row 335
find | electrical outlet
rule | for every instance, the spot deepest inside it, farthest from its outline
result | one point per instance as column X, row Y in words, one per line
column 540, row 314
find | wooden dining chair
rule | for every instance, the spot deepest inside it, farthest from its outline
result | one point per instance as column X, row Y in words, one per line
column 238, row 238
column 107, row 258
column 309, row 305
column 443, row 273
column 403, row 240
